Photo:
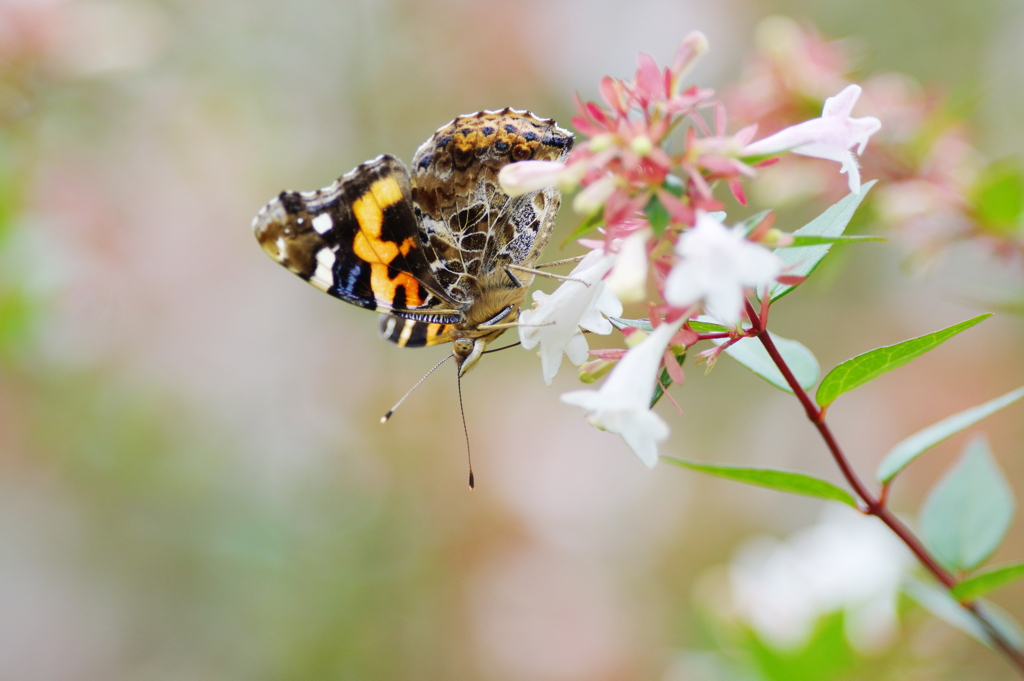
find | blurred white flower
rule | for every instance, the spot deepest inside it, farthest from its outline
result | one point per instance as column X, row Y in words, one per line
column 623, row 403
column 628, row 279
column 846, row 562
column 715, row 265
column 830, row 137
column 558, row 318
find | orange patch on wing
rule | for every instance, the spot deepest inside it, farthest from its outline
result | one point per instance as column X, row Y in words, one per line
column 369, row 247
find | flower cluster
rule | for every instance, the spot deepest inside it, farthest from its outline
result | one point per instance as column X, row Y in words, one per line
column 938, row 189
column 646, row 172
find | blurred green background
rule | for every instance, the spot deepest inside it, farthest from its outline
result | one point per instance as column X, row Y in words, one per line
column 193, row 480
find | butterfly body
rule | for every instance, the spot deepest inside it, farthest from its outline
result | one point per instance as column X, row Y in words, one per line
column 432, row 250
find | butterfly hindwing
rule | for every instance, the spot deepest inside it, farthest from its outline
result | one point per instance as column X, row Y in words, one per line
column 411, row 333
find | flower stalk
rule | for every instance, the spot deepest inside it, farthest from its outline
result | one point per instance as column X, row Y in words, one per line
column 875, row 506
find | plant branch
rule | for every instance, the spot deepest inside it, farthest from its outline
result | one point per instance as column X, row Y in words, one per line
column 875, row 505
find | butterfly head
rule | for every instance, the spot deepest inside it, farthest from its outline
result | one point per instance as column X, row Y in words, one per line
column 467, row 352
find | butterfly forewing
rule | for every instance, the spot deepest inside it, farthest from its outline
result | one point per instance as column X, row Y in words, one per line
column 356, row 240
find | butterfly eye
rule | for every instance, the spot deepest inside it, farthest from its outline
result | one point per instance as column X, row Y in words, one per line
column 462, row 348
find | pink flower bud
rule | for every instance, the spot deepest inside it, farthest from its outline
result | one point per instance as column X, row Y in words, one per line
column 524, row 177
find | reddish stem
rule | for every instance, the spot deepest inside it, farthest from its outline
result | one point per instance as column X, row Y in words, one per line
column 875, row 505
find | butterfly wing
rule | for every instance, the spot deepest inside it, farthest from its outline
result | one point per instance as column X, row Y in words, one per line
column 469, row 227
column 357, row 240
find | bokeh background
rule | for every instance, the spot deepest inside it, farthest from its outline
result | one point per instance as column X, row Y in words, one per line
column 193, row 480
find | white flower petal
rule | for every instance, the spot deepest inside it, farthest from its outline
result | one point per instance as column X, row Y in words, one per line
column 556, row 319
column 830, row 137
column 622, row 404
column 716, row 264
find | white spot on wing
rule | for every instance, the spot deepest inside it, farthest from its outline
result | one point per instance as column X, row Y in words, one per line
column 323, row 277
column 322, row 224
column 406, row 332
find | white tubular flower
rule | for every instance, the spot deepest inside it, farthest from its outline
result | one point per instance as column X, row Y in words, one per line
column 623, row 403
column 844, row 563
column 830, row 137
column 715, row 265
column 628, row 279
column 556, row 319
column 524, row 177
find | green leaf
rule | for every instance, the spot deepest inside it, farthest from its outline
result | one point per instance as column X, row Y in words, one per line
column 999, row 196
column 665, row 379
column 801, row 241
column 825, row 656
column 855, row 372
column 940, row 603
column 967, row 514
column 589, row 224
column 900, row 456
column 751, row 223
column 657, row 214
column 989, row 580
column 697, row 325
column 751, row 353
column 642, row 324
column 1003, row 622
column 782, row 481
column 801, row 261
column 707, row 327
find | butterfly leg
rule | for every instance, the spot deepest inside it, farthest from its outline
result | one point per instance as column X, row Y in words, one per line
column 513, row 278
column 556, row 263
column 538, row 273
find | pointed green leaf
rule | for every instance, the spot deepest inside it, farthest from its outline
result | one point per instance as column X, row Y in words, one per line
column 666, row 380
column 905, row 452
column 801, row 261
column 801, row 241
column 587, row 225
column 697, row 325
column 989, row 580
column 998, row 197
column 1003, row 622
column 657, row 214
column 642, row 324
column 751, row 223
column 783, row 481
column 707, row 327
column 967, row 514
column 855, row 372
column 938, row 602
column 750, row 353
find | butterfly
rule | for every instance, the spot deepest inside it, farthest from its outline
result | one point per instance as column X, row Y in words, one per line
column 440, row 251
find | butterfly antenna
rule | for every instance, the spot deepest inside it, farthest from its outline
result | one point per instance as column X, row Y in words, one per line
column 465, row 430
column 384, row 419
